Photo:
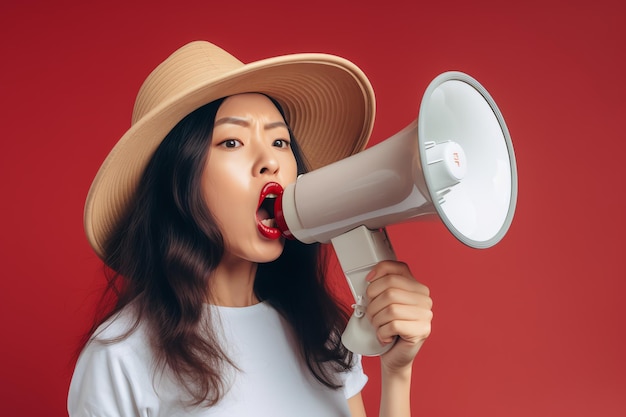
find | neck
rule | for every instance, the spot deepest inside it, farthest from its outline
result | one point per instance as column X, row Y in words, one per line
column 232, row 284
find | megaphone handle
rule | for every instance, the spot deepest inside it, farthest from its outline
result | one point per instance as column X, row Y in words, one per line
column 358, row 251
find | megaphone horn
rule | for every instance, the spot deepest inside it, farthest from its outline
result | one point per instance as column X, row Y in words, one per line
column 455, row 162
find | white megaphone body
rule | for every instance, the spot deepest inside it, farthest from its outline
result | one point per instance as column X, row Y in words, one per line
column 455, row 161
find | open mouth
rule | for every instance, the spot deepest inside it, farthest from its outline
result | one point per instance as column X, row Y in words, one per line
column 265, row 215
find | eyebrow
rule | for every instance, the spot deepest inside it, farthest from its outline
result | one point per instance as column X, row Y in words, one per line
column 245, row 123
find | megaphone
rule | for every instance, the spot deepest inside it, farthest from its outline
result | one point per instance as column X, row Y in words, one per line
column 455, row 162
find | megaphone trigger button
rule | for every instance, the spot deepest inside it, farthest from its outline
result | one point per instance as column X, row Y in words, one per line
column 359, row 306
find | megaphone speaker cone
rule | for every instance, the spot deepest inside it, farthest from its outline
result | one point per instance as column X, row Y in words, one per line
column 478, row 209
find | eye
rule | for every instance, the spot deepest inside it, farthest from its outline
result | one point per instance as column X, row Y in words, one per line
column 231, row 143
column 281, row 143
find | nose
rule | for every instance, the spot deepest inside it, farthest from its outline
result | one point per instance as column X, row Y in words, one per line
column 266, row 163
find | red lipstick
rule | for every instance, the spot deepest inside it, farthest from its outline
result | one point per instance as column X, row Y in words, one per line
column 266, row 224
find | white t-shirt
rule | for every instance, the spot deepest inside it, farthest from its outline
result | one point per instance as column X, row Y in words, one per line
column 118, row 379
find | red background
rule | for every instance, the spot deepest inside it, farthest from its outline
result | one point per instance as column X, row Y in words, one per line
column 533, row 326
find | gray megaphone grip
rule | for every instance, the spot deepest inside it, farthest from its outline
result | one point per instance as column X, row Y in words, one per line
column 358, row 251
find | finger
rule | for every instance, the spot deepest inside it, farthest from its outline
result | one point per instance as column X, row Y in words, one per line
column 400, row 312
column 402, row 282
column 407, row 330
column 388, row 268
column 397, row 296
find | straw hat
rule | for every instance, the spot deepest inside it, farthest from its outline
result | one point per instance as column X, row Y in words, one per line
column 328, row 102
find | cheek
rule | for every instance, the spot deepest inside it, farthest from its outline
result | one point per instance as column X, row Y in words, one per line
column 291, row 169
column 227, row 196
column 225, row 204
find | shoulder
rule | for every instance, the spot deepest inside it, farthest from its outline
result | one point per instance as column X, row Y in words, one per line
column 113, row 366
column 123, row 338
column 120, row 324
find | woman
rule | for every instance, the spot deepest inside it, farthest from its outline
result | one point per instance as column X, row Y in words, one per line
column 215, row 314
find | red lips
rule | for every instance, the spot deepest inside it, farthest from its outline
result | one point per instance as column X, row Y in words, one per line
column 266, row 224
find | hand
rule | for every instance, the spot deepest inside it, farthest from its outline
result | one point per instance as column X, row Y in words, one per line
column 399, row 306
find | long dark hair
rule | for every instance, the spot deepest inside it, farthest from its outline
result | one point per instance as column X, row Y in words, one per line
column 161, row 256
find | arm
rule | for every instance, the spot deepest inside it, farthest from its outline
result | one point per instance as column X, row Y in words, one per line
column 357, row 408
column 399, row 306
column 394, row 400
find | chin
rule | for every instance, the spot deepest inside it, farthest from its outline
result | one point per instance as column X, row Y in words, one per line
column 261, row 252
column 272, row 254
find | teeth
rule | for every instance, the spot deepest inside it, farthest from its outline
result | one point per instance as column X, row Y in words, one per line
column 271, row 196
column 269, row 222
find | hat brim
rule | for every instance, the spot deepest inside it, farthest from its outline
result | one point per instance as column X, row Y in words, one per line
column 328, row 103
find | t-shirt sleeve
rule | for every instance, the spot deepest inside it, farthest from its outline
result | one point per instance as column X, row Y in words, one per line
column 100, row 385
column 355, row 379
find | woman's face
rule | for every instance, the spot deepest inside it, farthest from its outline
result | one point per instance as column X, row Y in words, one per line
column 250, row 149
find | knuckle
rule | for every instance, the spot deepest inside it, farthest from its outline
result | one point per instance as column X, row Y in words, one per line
column 395, row 327
column 392, row 311
column 426, row 330
column 423, row 288
column 425, row 302
column 390, row 295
